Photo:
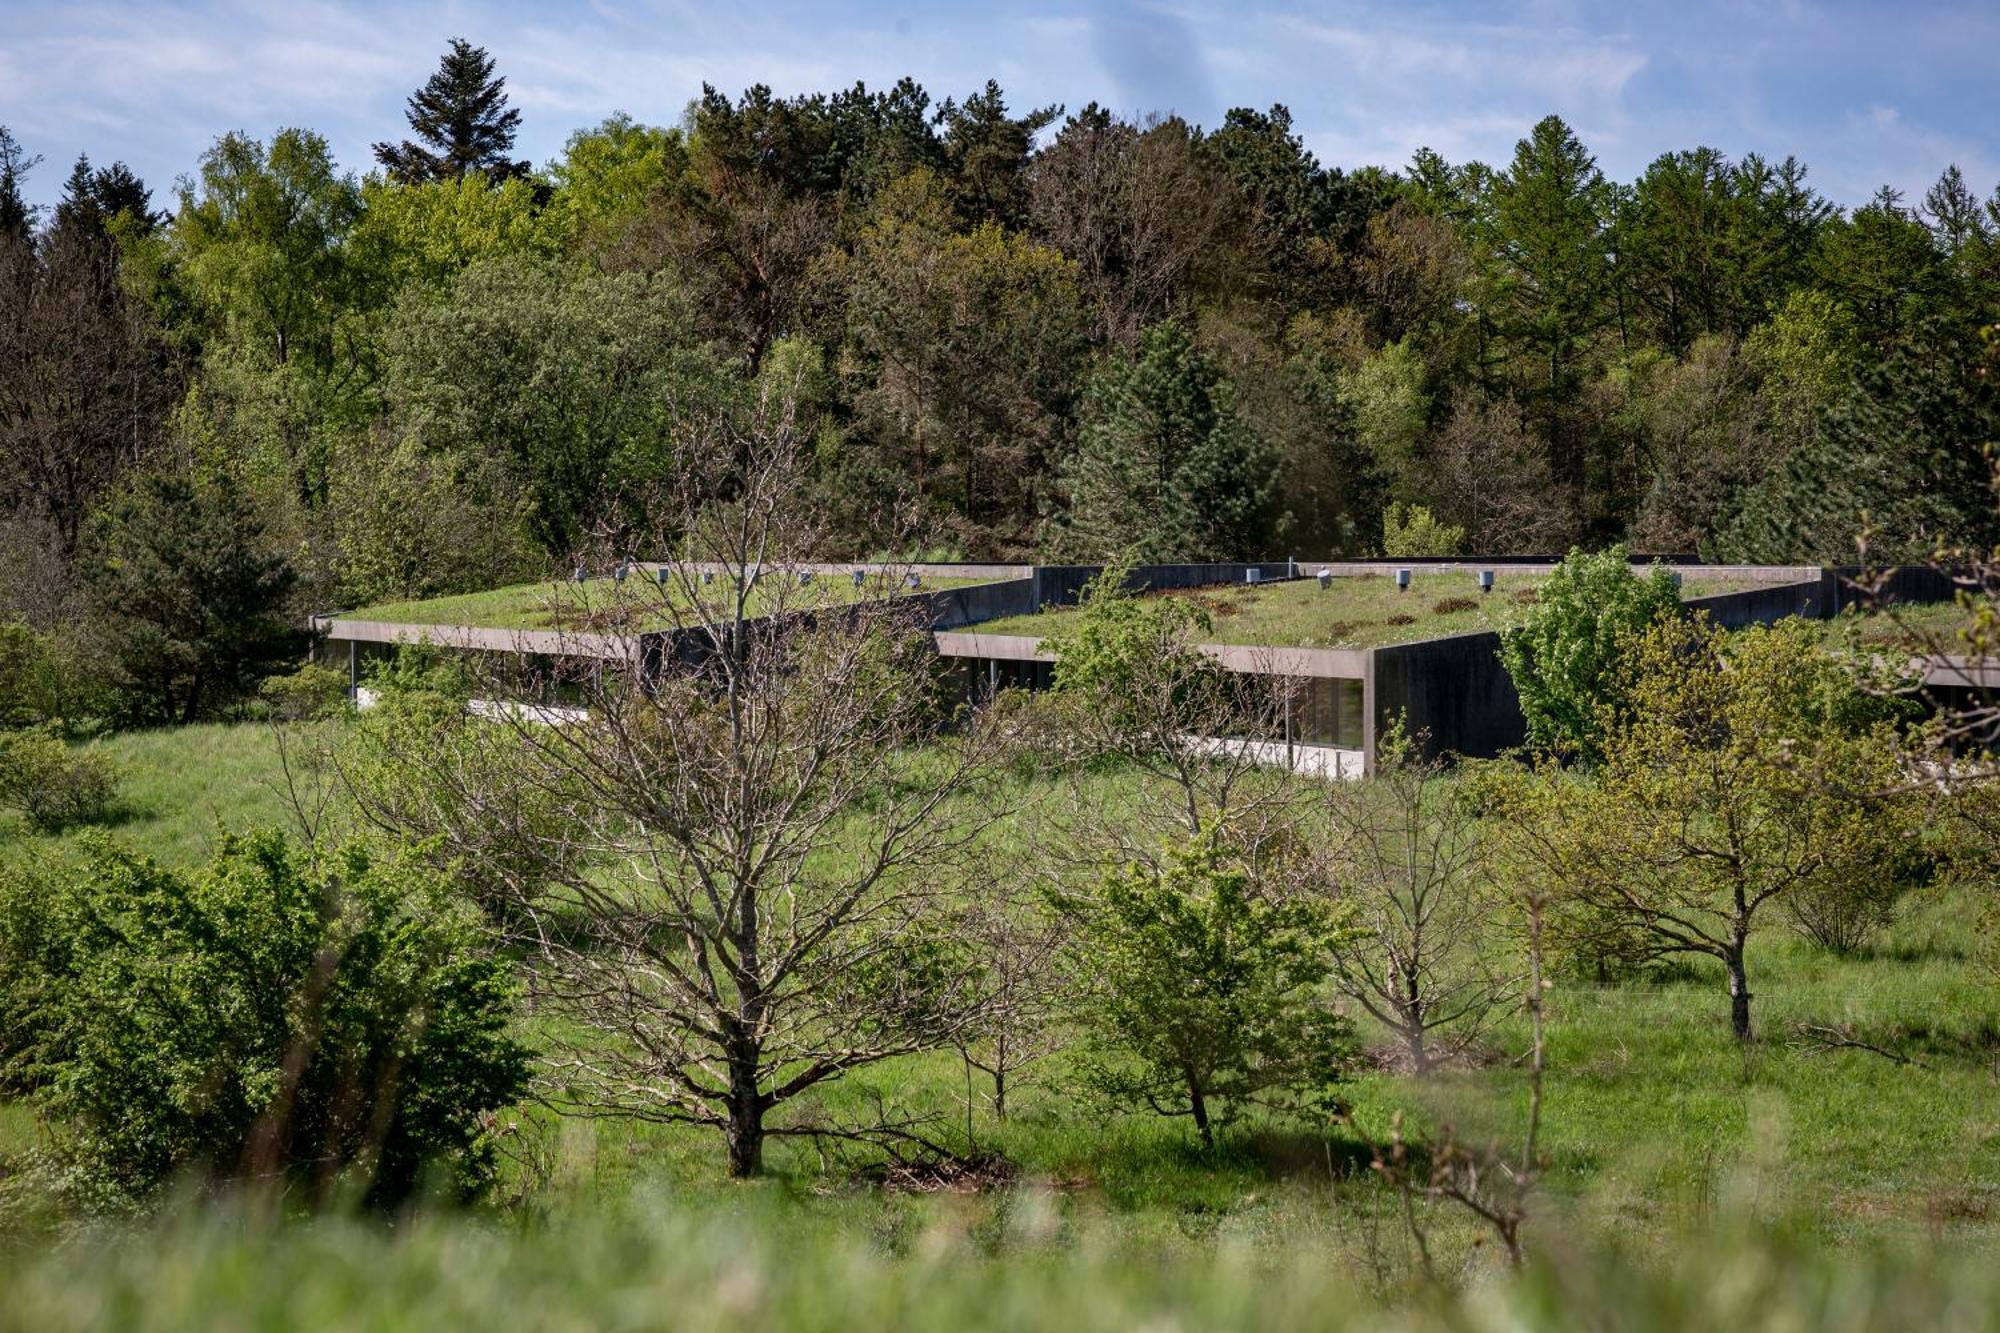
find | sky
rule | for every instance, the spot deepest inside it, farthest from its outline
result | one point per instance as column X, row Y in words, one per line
column 1866, row 94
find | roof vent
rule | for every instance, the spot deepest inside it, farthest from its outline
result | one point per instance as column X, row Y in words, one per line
column 1402, row 580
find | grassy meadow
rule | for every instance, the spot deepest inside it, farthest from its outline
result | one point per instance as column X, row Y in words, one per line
column 1690, row 1182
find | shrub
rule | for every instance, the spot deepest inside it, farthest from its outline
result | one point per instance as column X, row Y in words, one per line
column 1204, row 995
column 48, row 677
column 335, row 1029
column 53, row 783
column 1567, row 657
column 1412, row 533
column 307, row 695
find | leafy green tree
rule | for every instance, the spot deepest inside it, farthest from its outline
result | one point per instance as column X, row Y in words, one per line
column 1567, row 656
column 332, row 1029
column 1703, row 429
column 1413, row 532
column 1744, row 771
column 1203, row 995
column 607, row 175
column 261, row 235
column 967, row 348
column 1900, row 460
column 260, row 247
column 421, row 236
column 548, row 387
column 1166, row 468
column 462, row 122
column 186, row 604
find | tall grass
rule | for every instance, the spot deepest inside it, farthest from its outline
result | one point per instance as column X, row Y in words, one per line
column 1018, row 1265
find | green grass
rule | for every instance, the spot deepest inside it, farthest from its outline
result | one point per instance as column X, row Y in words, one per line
column 1358, row 611
column 180, row 788
column 950, row 1264
column 1926, row 628
column 1693, row 1182
column 603, row 604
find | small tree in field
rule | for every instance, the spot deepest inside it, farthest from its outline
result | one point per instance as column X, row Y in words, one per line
column 1139, row 688
column 1199, row 994
column 1407, row 858
column 1566, row 656
column 734, row 878
column 1748, row 770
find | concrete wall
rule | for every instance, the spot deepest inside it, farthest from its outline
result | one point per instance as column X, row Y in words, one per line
column 953, row 607
column 1517, row 565
column 1062, row 585
column 1851, row 585
column 1764, row 606
column 1454, row 689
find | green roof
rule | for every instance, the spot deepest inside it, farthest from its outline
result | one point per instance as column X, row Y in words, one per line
column 1358, row 611
column 604, row 605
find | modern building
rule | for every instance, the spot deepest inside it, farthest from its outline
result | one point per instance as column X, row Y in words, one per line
column 1360, row 643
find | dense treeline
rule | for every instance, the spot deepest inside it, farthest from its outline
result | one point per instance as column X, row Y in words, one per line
column 1017, row 332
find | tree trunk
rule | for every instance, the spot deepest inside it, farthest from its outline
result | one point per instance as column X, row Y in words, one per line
column 746, row 1140
column 746, row 1115
column 1739, row 992
column 999, row 1092
column 1200, row 1105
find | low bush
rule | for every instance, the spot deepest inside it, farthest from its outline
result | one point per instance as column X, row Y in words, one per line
column 54, row 784
column 334, row 1030
column 1450, row 606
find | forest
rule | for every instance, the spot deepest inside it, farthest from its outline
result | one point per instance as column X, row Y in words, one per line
column 1018, row 333
column 774, row 974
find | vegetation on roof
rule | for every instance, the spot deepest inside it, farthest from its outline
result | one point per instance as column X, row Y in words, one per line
column 1357, row 611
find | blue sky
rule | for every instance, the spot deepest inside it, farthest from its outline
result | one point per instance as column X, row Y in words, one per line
column 1866, row 94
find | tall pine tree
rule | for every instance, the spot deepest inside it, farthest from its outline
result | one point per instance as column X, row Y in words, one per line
column 1167, row 469
column 463, row 121
column 17, row 216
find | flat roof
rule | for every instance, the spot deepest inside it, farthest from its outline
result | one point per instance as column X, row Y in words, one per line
column 1359, row 610
column 639, row 604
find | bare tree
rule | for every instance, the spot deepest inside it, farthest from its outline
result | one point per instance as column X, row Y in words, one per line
column 1020, row 949
column 1135, row 682
column 1405, row 852
column 750, row 883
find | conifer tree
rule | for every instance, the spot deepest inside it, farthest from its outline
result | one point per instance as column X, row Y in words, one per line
column 463, row 120
column 92, row 197
column 17, row 216
column 1167, row 469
